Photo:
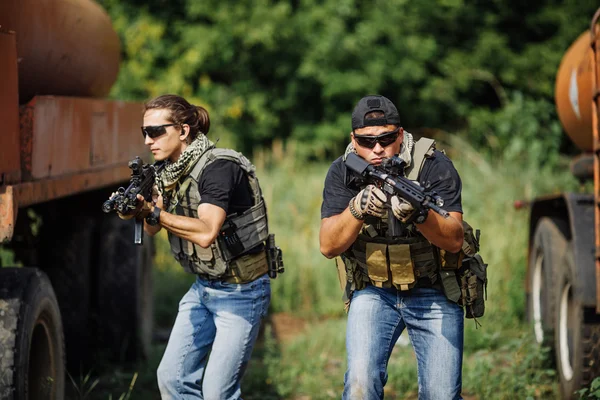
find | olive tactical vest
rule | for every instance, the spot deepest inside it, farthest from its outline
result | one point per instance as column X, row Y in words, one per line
column 399, row 261
column 227, row 257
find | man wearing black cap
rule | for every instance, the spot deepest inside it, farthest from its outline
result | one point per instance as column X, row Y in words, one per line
column 394, row 282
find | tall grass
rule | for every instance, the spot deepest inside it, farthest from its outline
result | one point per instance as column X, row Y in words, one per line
column 293, row 194
column 501, row 359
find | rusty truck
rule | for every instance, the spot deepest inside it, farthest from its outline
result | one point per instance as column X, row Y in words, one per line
column 79, row 286
column 563, row 275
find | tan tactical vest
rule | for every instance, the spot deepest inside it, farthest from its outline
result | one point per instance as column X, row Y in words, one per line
column 400, row 261
column 227, row 257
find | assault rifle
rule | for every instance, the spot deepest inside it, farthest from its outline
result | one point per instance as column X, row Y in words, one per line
column 125, row 200
column 388, row 177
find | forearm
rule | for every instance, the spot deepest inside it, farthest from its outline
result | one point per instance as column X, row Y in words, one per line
column 338, row 233
column 195, row 230
column 445, row 233
column 151, row 230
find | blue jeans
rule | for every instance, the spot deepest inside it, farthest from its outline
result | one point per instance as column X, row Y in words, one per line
column 435, row 325
column 219, row 318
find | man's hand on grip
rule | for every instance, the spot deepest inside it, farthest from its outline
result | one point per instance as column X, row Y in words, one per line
column 142, row 209
column 402, row 209
column 370, row 201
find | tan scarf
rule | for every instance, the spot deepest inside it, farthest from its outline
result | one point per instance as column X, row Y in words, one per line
column 173, row 171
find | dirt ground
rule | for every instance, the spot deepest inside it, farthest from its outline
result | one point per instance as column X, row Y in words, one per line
column 286, row 326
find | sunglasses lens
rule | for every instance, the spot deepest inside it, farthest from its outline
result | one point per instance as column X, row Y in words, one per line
column 366, row 142
column 384, row 139
column 153, row 131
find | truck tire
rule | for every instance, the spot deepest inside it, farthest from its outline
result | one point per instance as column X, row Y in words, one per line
column 549, row 245
column 65, row 255
column 31, row 337
column 577, row 342
column 123, row 311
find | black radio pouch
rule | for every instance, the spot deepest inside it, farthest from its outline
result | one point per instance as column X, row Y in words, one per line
column 472, row 275
column 473, row 286
column 229, row 241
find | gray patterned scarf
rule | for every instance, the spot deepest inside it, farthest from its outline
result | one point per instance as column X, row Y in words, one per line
column 173, row 171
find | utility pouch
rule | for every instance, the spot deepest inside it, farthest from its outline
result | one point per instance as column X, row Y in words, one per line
column 249, row 267
column 473, row 286
column 377, row 266
column 401, row 266
column 240, row 233
column 274, row 257
column 351, row 278
column 229, row 241
column 449, row 260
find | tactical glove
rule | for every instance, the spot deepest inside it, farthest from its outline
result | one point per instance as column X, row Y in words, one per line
column 369, row 201
column 141, row 211
column 402, row 209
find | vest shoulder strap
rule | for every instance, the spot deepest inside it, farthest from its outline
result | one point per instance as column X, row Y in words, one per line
column 214, row 154
column 423, row 149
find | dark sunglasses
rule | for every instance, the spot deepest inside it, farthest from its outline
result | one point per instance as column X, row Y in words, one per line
column 385, row 139
column 155, row 131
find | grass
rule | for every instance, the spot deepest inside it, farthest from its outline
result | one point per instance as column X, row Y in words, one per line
column 501, row 359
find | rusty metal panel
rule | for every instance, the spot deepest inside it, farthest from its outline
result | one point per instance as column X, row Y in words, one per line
column 36, row 192
column 10, row 163
column 129, row 136
column 61, row 136
column 8, row 213
column 116, row 136
column 595, row 92
column 69, row 135
column 104, row 144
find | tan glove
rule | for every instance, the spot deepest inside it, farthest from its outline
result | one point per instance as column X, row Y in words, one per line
column 402, row 209
column 370, row 200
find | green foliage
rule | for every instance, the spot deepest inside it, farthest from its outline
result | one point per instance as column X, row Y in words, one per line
column 593, row 392
column 515, row 370
column 7, row 257
column 84, row 386
column 293, row 70
column 524, row 129
column 285, row 75
column 501, row 358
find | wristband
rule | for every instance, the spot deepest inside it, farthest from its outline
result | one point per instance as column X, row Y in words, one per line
column 154, row 217
column 354, row 212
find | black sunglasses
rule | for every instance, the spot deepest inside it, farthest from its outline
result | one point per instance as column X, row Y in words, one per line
column 385, row 139
column 155, row 131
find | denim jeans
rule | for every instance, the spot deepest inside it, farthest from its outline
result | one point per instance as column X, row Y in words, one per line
column 212, row 339
column 435, row 325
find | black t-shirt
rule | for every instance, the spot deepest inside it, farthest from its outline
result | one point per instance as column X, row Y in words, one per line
column 224, row 184
column 438, row 173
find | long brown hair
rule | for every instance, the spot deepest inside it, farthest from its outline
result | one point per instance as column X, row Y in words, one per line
column 182, row 112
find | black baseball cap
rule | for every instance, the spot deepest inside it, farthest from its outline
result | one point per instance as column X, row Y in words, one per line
column 374, row 103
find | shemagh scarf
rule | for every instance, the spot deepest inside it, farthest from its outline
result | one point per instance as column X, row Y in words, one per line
column 173, row 171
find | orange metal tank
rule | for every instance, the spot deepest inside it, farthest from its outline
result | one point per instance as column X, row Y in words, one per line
column 573, row 92
column 65, row 47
